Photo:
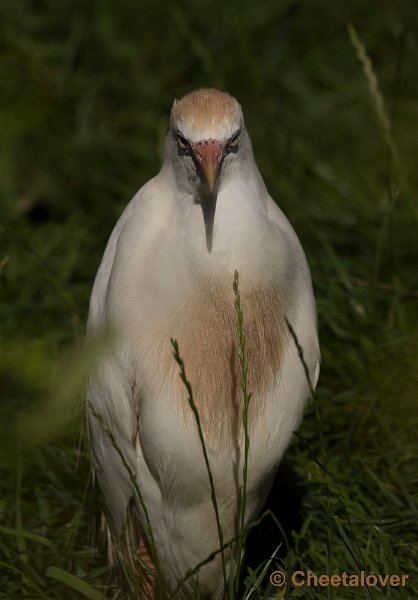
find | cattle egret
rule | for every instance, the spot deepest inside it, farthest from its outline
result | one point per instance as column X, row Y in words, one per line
column 167, row 273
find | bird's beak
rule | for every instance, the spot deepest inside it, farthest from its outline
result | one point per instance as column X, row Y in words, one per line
column 209, row 155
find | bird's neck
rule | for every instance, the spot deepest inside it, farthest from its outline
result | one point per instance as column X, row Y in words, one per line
column 225, row 231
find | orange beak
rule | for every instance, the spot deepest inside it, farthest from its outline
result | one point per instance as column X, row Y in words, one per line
column 209, row 155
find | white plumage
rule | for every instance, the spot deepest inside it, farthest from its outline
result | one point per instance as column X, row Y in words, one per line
column 167, row 272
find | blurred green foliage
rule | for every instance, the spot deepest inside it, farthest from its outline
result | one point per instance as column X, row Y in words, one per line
column 85, row 92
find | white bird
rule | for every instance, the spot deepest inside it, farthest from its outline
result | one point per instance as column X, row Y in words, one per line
column 167, row 272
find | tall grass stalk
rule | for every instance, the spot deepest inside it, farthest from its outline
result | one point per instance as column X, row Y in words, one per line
column 383, row 118
column 377, row 99
column 246, row 403
column 191, row 572
column 195, row 411
column 301, row 356
column 263, row 570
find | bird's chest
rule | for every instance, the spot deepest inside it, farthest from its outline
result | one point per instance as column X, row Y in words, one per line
column 206, row 330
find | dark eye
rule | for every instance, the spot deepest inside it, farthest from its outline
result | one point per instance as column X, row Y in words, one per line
column 182, row 144
column 233, row 142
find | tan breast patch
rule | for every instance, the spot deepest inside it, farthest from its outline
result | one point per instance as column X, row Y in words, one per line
column 208, row 343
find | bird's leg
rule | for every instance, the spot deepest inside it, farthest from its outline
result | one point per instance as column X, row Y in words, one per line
column 147, row 576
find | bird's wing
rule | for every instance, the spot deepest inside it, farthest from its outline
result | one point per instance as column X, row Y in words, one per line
column 301, row 316
column 112, row 403
column 97, row 308
column 112, row 438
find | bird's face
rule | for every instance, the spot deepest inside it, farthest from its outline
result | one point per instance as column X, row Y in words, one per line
column 204, row 139
column 207, row 156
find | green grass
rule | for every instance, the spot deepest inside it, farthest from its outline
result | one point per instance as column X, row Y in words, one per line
column 330, row 96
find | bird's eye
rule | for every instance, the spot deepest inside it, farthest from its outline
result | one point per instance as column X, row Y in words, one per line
column 233, row 142
column 182, row 144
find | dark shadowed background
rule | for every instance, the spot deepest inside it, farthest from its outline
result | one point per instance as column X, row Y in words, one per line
column 329, row 92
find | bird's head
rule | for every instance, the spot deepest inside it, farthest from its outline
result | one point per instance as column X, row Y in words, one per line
column 206, row 132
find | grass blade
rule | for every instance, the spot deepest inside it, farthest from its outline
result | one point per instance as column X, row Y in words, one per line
column 196, row 415
column 246, row 402
column 75, row 583
column 33, row 537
